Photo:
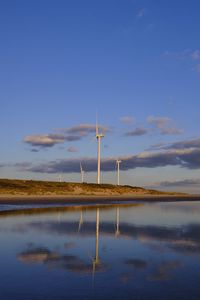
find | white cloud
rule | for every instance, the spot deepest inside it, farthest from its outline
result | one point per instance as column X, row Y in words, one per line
column 164, row 125
column 72, row 149
column 45, row 140
column 127, row 119
column 197, row 68
column 74, row 133
column 187, row 54
column 141, row 13
column 195, row 55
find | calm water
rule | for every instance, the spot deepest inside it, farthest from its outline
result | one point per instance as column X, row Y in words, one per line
column 141, row 251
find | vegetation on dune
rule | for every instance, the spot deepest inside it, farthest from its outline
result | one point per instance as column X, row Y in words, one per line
column 33, row 187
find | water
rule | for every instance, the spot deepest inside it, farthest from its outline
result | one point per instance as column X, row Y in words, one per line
column 139, row 251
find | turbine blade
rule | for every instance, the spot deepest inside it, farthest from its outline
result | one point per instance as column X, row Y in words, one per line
column 97, row 129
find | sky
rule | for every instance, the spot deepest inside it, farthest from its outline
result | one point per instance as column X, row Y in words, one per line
column 134, row 63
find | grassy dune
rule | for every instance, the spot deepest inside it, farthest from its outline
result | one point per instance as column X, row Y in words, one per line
column 33, row 187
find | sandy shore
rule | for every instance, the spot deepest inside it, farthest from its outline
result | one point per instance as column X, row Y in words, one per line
column 68, row 199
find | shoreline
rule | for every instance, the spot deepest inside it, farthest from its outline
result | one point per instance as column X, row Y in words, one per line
column 92, row 199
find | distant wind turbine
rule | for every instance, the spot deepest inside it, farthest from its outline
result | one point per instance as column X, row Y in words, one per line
column 118, row 163
column 82, row 173
column 60, row 177
column 98, row 137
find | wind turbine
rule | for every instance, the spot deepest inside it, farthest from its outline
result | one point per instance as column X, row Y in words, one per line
column 118, row 163
column 82, row 173
column 98, row 137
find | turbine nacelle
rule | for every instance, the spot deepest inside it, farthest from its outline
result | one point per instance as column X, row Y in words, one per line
column 99, row 135
column 118, row 161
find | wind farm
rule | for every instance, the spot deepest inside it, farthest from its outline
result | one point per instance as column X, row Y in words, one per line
column 99, row 150
column 46, row 188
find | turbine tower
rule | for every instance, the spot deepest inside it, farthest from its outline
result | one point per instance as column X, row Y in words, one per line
column 118, row 163
column 82, row 173
column 98, row 137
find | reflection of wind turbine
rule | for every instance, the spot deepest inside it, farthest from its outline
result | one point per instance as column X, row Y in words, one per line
column 80, row 221
column 118, row 163
column 98, row 137
column 96, row 260
column 82, row 173
column 117, row 232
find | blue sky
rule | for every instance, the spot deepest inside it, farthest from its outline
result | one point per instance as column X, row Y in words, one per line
column 135, row 62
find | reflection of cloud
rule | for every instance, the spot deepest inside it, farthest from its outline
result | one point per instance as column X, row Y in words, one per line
column 187, row 247
column 69, row 245
column 56, row 260
column 163, row 271
column 185, row 239
column 37, row 255
column 136, row 263
column 126, row 277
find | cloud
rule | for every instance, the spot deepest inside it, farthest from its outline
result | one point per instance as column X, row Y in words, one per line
column 34, row 150
column 180, row 183
column 72, row 149
column 127, row 120
column 186, row 158
column 21, row 166
column 185, row 144
column 137, row 132
column 46, row 140
column 85, row 129
column 71, row 134
column 195, row 55
column 197, row 68
column 164, row 125
column 141, row 13
column 186, row 55
column 157, row 146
